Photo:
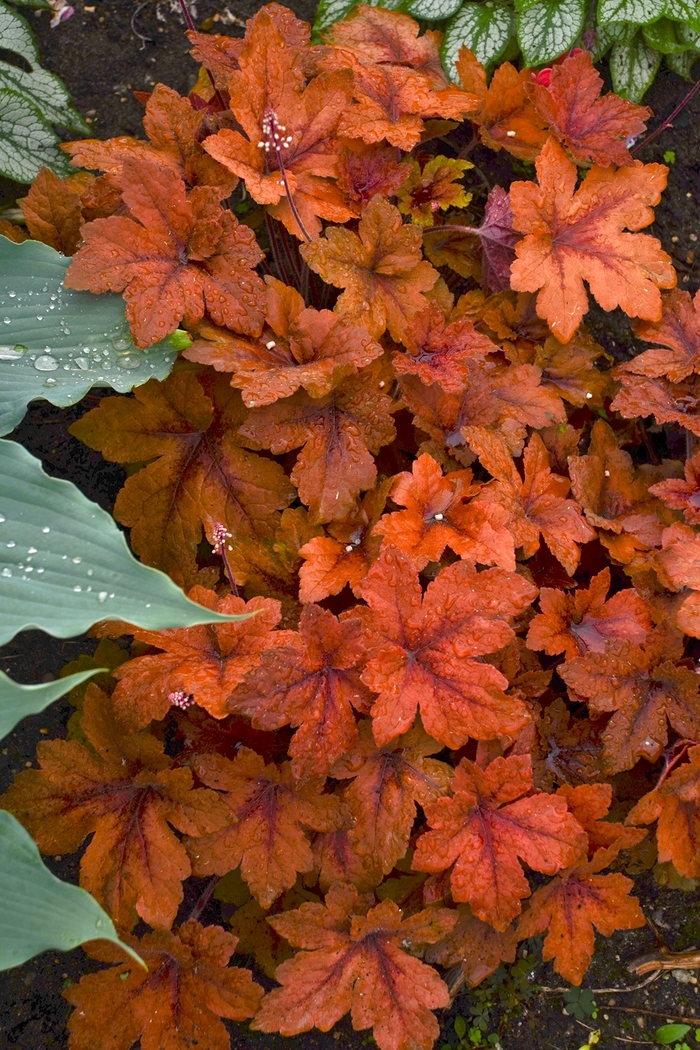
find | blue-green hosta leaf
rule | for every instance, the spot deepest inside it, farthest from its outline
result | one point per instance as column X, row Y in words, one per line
column 668, row 37
column 56, row 343
column 629, row 10
column 17, row 701
column 45, row 90
column 433, row 10
column 633, row 67
column 64, row 564
column 328, row 13
column 39, row 912
column 485, row 29
column 687, row 11
column 27, row 142
column 548, row 29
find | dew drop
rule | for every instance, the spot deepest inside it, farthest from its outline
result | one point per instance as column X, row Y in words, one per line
column 77, row 588
column 46, row 363
column 6, row 571
column 12, row 353
column 32, row 550
column 12, row 544
column 121, row 343
column 77, row 560
column 2, row 518
column 50, row 381
column 102, row 597
column 90, row 572
column 6, row 320
column 82, row 362
column 46, row 529
column 128, row 361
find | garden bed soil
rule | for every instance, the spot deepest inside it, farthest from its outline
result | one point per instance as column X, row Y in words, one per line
column 104, row 52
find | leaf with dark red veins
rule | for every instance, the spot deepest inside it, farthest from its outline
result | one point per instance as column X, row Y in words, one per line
column 312, row 683
column 264, row 831
column 483, row 832
column 423, row 649
column 126, row 791
column 355, row 961
column 184, row 255
column 386, row 784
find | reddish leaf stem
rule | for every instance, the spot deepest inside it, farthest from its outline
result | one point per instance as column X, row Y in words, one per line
column 221, row 538
column 668, row 122
column 204, row 898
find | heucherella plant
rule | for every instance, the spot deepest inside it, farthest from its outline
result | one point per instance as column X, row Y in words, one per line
column 386, row 462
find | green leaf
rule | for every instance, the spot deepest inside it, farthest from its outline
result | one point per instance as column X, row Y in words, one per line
column 609, row 35
column 460, row 1027
column 687, row 11
column 633, row 67
column 670, row 38
column 683, row 63
column 630, row 10
column 56, row 343
column 486, row 29
column 64, row 564
column 32, row 3
column 27, row 143
column 16, row 35
column 17, row 701
column 550, row 28
column 670, row 1033
column 433, row 10
column 328, row 13
column 39, row 912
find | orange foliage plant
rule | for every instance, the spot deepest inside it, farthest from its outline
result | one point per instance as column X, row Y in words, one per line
column 473, row 573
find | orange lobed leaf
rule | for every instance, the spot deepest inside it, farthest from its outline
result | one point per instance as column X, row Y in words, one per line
column 423, row 647
column 590, row 803
column 439, row 516
column 311, row 682
column 644, row 685
column 340, row 434
column 572, row 904
column 590, row 128
column 53, row 211
column 368, row 169
column 678, row 566
column 678, row 332
column 386, row 784
column 682, row 495
column 125, row 790
column 537, row 504
column 354, row 961
column 587, row 619
column 570, row 751
column 483, row 832
column 674, row 804
column 437, row 351
column 474, row 946
column 177, row 1003
column 298, row 347
column 574, row 235
column 668, row 402
column 343, row 557
column 506, row 116
column 206, row 663
column 381, row 268
column 178, row 255
column 263, row 831
column 187, row 425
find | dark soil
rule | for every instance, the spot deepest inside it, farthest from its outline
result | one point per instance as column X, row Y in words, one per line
column 107, row 50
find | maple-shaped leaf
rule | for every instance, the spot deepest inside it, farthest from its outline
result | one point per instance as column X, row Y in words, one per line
column 177, row 255
column 678, row 332
column 286, row 153
column 644, row 685
column 337, row 860
column 367, row 169
column 125, row 790
column 487, row 828
column 586, row 620
column 187, row 425
column 437, row 350
column 512, row 318
column 505, row 115
column 438, row 515
column 590, row 803
column 355, row 960
column 264, row 830
column 537, row 503
column 572, row 904
column 678, row 567
column 298, row 347
column 423, row 649
column 174, row 129
column 434, row 189
column 53, row 211
column 344, row 556
column 381, row 268
column 219, row 53
column 339, row 434
column 589, row 127
column 313, row 683
column 176, row 1002
column 571, row 370
column 387, row 783
column 682, row 494
column 570, row 751
column 372, row 35
column 572, row 235
column 392, row 102
column 474, row 946
column 675, row 805
column 604, row 482
column 205, row 663
column 668, row 402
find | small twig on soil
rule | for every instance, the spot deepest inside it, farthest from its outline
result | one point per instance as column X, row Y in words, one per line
column 135, row 13
column 682, row 1018
column 637, row 1042
column 665, row 959
column 605, row 991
